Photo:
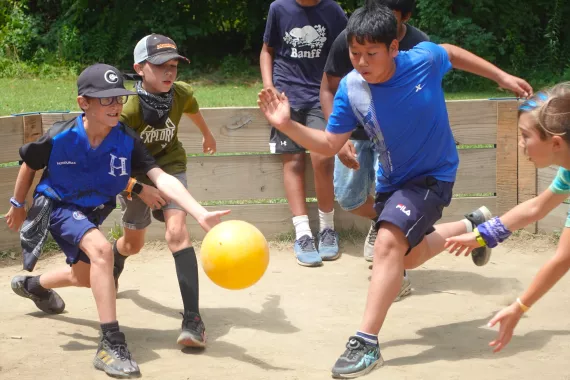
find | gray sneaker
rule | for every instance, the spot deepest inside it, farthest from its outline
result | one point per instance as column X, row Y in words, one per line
column 51, row 303
column 113, row 357
column 406, row 288
column 480, row 255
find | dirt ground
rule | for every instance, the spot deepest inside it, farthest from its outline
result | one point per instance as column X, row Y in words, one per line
column 294, row 323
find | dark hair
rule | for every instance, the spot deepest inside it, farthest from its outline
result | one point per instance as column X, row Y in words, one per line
column 406, row 7
column 551, row 111
column 372, row 24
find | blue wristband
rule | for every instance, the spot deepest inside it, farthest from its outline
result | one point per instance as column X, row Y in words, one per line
column 493, row 232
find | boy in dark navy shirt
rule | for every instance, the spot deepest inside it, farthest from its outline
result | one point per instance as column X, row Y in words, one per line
column 87, row 162
column 398, row 98
column 298, row 36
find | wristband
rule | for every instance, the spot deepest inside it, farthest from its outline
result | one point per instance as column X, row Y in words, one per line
column 129, row 188
column 493, row 232
column 479, row 238
column 17, row 204
column 523, row 307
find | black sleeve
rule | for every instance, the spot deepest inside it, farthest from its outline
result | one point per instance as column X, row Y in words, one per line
column 338, row 61
column 141, row 159
column 36, row 154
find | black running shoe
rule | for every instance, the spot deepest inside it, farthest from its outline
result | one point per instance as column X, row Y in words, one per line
column 51, row 303
column 359, row 358
column 113, row 357
column 193, row 332
column 480, row 255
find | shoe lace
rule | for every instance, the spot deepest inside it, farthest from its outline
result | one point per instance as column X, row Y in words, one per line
column 353, row 348
column 192, row 321
column 372, row 235
column 307, row 244
column 121, row 351
column 328, row 236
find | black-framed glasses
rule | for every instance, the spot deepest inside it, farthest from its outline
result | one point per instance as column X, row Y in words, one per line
column 105, row 102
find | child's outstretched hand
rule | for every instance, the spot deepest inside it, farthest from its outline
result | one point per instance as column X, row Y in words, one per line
column 275, row 107
column 518, row 86
column 508, row 319
column 211, row 219
column 461, row 243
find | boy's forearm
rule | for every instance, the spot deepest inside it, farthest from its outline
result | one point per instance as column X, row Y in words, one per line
column 266, row 67
column 311, row 139
column 199, row 121
column 23, row 183
column 462, row 59
column 174, row 190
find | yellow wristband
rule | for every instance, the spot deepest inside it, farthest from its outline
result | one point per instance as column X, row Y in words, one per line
column 523, row 307
column 479, row 238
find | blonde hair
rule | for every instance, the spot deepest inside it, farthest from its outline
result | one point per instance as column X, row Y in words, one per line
column 551, row 110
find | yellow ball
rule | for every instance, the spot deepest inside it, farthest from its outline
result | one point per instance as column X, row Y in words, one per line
column 234, row 254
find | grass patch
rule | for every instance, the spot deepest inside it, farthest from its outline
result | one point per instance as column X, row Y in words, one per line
column 21, row 95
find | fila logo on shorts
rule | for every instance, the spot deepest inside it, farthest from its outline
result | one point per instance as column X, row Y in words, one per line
column 403, row 209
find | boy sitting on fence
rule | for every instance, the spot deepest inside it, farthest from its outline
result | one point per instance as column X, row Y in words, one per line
column 398, row 98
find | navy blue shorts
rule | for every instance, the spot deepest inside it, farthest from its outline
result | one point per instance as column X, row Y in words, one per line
column 415, row 208
column 68, row 225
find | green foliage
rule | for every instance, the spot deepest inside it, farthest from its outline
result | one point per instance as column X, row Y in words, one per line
column 59, row 37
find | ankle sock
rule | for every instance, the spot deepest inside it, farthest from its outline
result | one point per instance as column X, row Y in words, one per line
column 302, row 227
column 368, row 338
column 326, row 220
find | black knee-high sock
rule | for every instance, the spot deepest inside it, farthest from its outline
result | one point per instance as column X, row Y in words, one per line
column 119, row 259
column 187, row 272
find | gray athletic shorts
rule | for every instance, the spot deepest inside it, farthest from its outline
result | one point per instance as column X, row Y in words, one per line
column 136, row 214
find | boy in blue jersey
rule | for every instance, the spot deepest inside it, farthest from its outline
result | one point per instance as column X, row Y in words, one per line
column 87, row 162
column 398, row 98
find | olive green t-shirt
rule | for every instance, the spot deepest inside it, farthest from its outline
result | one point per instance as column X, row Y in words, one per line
column 162, row 142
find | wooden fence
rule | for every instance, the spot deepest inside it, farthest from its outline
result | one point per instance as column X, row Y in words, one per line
column 497, row 172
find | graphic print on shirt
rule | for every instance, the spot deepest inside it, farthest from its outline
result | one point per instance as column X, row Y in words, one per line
column 360, row 99
column 165, row 135
column 306, row 42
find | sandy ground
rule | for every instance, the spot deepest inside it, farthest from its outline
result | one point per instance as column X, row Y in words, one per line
column 294, row 323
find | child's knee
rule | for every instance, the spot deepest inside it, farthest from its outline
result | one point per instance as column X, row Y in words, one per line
column 391, row 244
column 101, row 253
column 132, row 247
column 177, row 236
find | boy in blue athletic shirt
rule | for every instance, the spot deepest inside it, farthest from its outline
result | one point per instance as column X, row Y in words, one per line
column 398, row 98
column 87, row 162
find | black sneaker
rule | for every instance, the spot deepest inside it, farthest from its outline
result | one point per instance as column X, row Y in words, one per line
column 50, row 303
column 480, row 255
column 359, row 358
column 114, row 357
column 193, row 332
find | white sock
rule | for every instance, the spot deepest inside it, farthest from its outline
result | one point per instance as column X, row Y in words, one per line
column 326, row 220
column 302, row 227
column 468, row 225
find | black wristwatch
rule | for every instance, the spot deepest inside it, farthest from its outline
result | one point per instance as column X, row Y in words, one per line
column 137, row 188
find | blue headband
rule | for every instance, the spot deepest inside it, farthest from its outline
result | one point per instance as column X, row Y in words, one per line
column 530, row 104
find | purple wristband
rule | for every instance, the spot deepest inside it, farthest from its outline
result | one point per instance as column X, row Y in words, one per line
column 493, row 232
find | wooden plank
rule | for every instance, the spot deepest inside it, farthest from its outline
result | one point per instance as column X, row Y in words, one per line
column 11, row 137
column 48, row 119
column 271, row 219
column 245, row 129
column 545, row 177
column 473, row 121
column 275, row 219
column 507, row 156
column 527, row 182
column 261, row 176
column 554, row 221
column 32, row 131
